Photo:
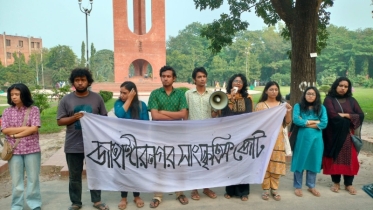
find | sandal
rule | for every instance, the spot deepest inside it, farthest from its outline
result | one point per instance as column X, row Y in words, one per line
column 350, row 189
column 122, row 204
column 244, row 198
column 335, row 188
column 298, row 192
column 101, row 206
column 155, row 203
column 139, row 202
column 275, row 195
column 314, row 192
column 183, row 199
column 265, row 195
column 209, row 193
column 227, row 196
column 74, row 207
column 194, row 195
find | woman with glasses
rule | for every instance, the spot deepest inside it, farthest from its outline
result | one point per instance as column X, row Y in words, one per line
column 271, row 97
column 310, row 117
column 344, row 117
column 240, row 102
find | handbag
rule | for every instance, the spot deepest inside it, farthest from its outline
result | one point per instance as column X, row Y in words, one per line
column 288, row 151
column 358, row 143
column 8, row 149
column 293, row 135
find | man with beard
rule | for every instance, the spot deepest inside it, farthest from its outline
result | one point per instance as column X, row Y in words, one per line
column 167, row 103
column 69, row 113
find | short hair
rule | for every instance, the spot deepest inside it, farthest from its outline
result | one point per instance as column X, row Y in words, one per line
column 81, row 72
column 264, row 95
column 167, row 68
column 243, row 91
column 25, row 96
column 198, row 69
column 333, row 90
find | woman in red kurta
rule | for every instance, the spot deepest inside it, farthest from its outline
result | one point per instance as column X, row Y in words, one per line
column 344, row 116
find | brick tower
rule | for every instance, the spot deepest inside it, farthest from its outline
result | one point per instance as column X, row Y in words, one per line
column 138, row 48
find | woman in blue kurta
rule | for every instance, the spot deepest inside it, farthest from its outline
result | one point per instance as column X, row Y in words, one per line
column 310, row 116
column 129, row 106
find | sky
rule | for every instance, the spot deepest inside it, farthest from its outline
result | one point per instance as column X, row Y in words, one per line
column 60, row 22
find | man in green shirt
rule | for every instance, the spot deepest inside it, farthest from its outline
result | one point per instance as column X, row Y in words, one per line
column 168, row 103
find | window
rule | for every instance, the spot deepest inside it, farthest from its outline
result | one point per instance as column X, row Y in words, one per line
column 8, row 42
column 20, row 43
column 32, row 44
column 8, row 55
column 37, row 44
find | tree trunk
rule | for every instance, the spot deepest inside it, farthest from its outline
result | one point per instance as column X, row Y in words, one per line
column 303, row 38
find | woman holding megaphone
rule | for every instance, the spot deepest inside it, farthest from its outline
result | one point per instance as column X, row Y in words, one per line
column 239, row 102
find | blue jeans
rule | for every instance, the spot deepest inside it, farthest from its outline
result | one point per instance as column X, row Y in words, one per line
column 75, row 165
column 17, row 166
column 310, row 179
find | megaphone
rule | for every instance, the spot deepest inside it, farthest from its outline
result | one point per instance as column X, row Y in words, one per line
column 218, row 100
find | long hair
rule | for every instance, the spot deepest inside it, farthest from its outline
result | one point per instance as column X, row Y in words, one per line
column 305, row 105
column 264, row 95
column 25, row 96
column 333, row 90
column 81, row 72
column 243, row 91
column 135, row 104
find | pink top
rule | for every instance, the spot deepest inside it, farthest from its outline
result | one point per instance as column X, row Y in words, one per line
column 13, row 117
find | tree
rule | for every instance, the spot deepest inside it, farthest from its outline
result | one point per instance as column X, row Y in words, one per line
column 83, row 60
column 102, row 66
column 61, row 60
column 296, row 14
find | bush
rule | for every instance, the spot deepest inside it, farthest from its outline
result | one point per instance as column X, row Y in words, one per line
column 106, row 95
column 184, row 89
column 324, row 88
column 40, row 100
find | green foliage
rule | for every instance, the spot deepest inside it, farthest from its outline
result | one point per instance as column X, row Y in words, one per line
column 83, row 59
column 106, row 95
column 61, row 61
column 40, row 100
column 324, row 89
column 184, row 89
column 282, row 79
column 102, row 66
column 59, row 93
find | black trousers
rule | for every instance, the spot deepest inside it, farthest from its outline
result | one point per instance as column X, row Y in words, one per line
column 124, row 194
column 75, row 164
column 238, row 190
column 347, row 179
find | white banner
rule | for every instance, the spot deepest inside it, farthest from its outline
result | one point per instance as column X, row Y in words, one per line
column 168, row 156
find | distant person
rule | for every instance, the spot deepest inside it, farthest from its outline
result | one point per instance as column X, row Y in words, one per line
column 128, row 106
column 271, row 97
column 311, row 118
column 200, row 109
column 20, row 123
column 344, row 116
column 240, row 102
column 168, row 103
column 69, row 115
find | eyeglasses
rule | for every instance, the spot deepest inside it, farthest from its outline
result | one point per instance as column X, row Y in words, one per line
column 237, row 81
column 310, row 94
column 273, row 90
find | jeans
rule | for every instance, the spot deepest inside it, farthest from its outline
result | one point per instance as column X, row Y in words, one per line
column 310, row 179
column 17, row 166
column 75, row 165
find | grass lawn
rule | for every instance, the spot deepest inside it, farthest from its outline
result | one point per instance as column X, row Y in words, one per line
column 364, row 97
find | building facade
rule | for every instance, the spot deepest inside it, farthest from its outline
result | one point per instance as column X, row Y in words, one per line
column 10, row 44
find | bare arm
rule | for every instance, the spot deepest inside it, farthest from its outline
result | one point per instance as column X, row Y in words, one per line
column 70, row 120
column 182, row 114
column 156, row 115
column 28, row 131
column 14, row 130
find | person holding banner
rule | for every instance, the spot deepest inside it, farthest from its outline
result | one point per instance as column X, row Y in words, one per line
column 271, row 97
column 20, row 125
column 70, row 110
column 345, row 118
column 129, row 106
column 167, row 103
column 240, row 102
column 200, row 109
column 311, row 118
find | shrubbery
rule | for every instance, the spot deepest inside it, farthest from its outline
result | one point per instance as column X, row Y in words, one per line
column 184, row 89
column 106, row 95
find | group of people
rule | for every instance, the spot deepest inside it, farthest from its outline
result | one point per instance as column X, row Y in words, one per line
column 322, row 141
